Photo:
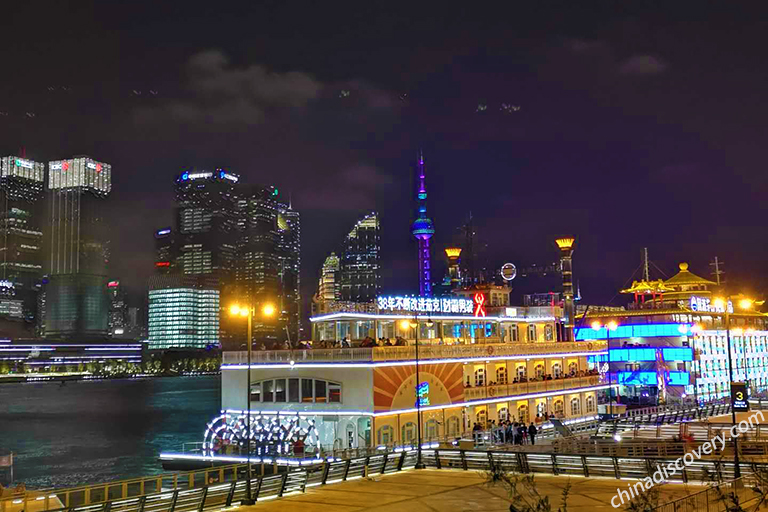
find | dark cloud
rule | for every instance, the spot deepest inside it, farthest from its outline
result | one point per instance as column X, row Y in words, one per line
column 643, row 65
column 219, row 93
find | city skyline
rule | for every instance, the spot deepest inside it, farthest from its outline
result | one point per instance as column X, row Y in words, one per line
column 343, row 155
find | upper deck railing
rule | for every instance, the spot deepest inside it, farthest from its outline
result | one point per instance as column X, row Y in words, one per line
column 408, row 353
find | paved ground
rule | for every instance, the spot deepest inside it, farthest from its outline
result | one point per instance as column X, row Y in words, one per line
column 449, row 491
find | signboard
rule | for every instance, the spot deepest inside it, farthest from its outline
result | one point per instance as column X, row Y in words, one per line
column 422, row 394
column 508, row 271
column 739, row 397
column 426, row 304
column 705, row 305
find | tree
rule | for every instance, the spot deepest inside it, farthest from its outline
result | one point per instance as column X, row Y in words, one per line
column 522, row 491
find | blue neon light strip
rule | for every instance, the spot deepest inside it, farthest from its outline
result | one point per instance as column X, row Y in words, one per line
column 641, row 354
column 645, row 378
column 629, row 331
column 677, row 353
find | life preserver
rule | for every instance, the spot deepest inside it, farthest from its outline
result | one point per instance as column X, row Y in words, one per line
column 491, row 391
column 589, row 346
column 490, row 350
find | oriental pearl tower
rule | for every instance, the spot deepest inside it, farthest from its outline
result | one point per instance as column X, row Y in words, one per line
column 423, row 229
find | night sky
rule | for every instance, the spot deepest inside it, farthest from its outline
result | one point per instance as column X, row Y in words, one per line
column 639, row 125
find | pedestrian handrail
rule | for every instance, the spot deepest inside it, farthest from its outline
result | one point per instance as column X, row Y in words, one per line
column 218, row 495
column 407, row 353
column 711, row 498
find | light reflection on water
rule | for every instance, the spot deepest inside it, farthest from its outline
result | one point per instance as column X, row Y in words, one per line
column 98, row 431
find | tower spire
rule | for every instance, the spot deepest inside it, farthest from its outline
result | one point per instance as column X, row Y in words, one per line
column 423, row 229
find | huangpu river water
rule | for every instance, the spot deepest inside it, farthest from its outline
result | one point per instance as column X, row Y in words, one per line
column 98, row 431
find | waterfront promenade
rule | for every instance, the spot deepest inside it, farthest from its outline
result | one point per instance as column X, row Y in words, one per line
column 450, row 491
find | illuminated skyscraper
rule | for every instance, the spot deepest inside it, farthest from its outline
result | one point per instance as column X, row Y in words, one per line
column 269, row 262
column 183, row 312
column 21, row 235
column 206, row 223
column 423, row 229
column 118, row 309
column 77, row 305
column 360, row 265
column 165, row 251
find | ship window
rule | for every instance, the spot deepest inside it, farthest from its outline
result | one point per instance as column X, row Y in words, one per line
column 268, row 386
column 293, row 390
column 256, row 392
column 306, row 390
column 320, row 391
column 334, row 393
column 280, row 390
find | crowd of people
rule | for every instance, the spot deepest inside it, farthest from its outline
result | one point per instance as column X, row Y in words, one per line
column 539, row 378
column 509, row 432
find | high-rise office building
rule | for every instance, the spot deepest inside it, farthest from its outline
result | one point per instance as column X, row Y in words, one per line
column 165, row 251
column 269, row 262
column 206, row 223
column 360, row 265
column 21, row 236
column 77, row 304
column 183, row 312
column 289, row 250
column 118, row 309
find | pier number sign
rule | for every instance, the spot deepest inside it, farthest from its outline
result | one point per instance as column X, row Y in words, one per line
column 739, row 397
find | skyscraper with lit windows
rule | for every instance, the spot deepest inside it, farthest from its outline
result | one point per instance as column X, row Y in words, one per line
column 21, row 235
column 183, row 312
column 77, row 304
column 360, row 262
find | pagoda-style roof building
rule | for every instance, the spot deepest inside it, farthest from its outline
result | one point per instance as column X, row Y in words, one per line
column 686, row 284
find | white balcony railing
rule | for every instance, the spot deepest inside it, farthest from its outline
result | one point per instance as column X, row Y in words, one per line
column 523, row 388
column 408, row 353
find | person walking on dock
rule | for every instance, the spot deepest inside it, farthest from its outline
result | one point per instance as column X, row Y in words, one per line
column 532, row 431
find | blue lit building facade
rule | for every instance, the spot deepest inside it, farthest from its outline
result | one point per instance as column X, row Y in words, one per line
column 674, row 348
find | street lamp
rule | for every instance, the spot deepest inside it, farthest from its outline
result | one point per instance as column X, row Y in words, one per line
column 723, row 303
column 610, row 326
column 247, row 311
column 414, row 324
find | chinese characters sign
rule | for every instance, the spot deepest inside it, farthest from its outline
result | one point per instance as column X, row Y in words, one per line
column 426, row 304
column 705, row 305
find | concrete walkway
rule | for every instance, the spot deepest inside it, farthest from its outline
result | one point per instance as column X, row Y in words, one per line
column 450, row 491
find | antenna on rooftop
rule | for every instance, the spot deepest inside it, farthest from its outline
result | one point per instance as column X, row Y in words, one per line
column 716, row 264
column 646, row 272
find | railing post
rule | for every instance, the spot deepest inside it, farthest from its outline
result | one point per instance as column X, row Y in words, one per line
column 282, row 485
column 231, row 493
column 463, row 460
column 437, row 460
column 201, row 506
column 401, row 461
column 346, row 469
column 554, row 464
column 142, row 502
column 174, row 500
column 616, row 468
column 584, row 465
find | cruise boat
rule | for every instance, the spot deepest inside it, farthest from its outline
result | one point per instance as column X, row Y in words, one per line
column 365, row 377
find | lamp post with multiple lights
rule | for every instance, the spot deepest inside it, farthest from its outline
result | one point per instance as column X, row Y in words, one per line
column 268, row 310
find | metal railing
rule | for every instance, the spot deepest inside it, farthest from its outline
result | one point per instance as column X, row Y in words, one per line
column 407, row 353
column 501, row 390
column 711, row 498
column 222, row 494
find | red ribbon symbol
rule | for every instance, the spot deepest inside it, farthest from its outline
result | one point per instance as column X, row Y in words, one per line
column 479, row 301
